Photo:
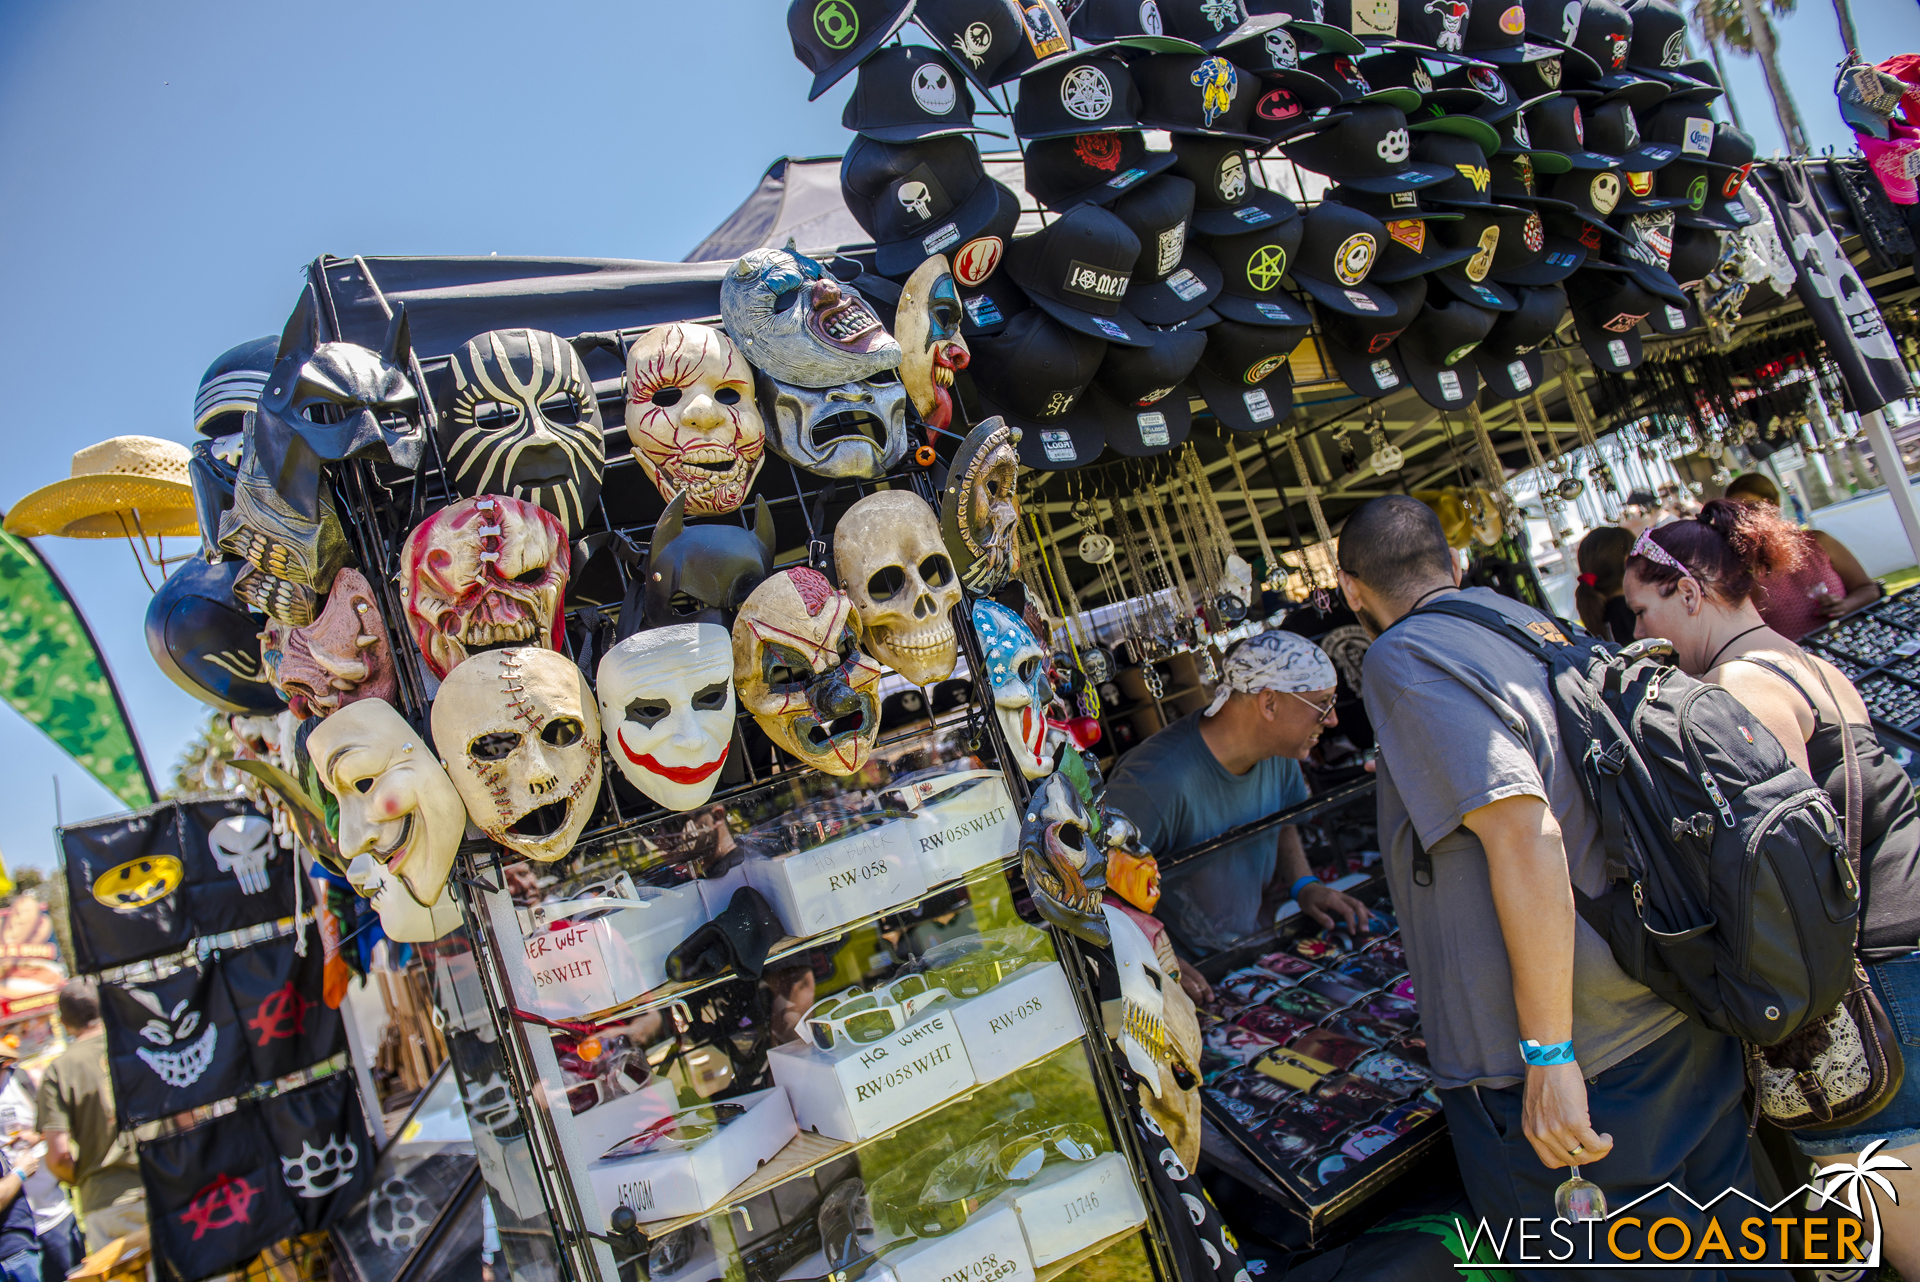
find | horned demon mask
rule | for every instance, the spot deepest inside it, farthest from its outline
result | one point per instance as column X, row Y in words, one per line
column 702, row 573
column 931, row 345
column 519, row 734
column 397, row 806
column 691, row 415
column 888, row 552
column 799, row 670
column 1017, row 671
column 342, row 657
column 666, row 701
column 980, row 510
column 522, row 420
column 483, row 572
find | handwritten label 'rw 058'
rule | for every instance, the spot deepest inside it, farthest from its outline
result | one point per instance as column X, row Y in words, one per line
column 903, row 1073
column 988, row 1268
column 961, row 831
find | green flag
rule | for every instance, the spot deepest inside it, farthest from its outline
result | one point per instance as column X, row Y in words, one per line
column 54, row 675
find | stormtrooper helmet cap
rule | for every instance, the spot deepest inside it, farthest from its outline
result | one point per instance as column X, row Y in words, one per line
column 893, row 563
column 1244, row 376
column 1205, row 94
column 1370, row 149
column 992, row 41
column 232, row 386
column 1338, row 246
column 1077, row 269
column 1252, row 265
column 667, row 705
column 1437, row 350
column 908, row 92
column 1226, row 198
column 916, row 198
column 207, row 641
column 1090, row 168
column 832, row 37
column 1089, row 92
column 798, row 324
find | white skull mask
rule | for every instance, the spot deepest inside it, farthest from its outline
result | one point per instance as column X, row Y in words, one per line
column 888, row 551
column 799, row 324
column 691, row 415
column 483, row 572
column 1017, row 671
column 397, row 805
column 855, row 430
column 666, row 701
column 242, row 845
column 799, row 670
column 519, row 734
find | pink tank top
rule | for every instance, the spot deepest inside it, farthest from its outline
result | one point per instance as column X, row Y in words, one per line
column 1785, row 600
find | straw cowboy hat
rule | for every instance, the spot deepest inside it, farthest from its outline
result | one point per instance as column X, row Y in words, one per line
column 123, row 486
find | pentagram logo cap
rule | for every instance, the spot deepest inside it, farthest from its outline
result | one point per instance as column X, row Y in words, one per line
column 1252, row 268
column 1087, row 93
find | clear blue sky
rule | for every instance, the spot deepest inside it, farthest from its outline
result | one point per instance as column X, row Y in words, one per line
column 166, row 172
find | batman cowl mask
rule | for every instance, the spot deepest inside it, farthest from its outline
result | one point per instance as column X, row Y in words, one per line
column 699, row 573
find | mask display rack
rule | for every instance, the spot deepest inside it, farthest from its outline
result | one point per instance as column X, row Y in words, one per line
column 622, row 1116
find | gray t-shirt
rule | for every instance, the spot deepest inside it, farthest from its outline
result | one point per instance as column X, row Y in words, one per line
column 1179, row 795
column 1464, row 719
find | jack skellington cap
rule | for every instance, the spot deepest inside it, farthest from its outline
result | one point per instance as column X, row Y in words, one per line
column 832, row 37
column 907, row 92
column 1410, row 248
column 1226, row 200
column 1077, row 269
column 1338, row 246
column 1243, row 374
column 1203, row 95
column 1369, row 150
column 992, row 41
column 1509, row 359
column 1087, row 93
column 1252, row 267
column 1437, row 351
column 919, row 198
column 1096, row 168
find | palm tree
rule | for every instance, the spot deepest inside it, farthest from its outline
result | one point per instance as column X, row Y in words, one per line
column 1743, row 26
column 1852, row 1179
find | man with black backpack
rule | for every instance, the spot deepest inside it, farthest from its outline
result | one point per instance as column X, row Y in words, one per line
column 1547, row 1054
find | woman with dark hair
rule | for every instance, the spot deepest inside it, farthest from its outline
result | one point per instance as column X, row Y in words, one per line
column 1602, row 558
column 1828, row 582
column 1693, row 582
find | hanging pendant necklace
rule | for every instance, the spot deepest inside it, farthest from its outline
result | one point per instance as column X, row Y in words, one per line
column 1322, row 599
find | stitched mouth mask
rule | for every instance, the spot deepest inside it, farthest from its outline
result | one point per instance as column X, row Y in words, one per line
column 692, row 417
column 932, row 348
column 483, row 572
column 799, row 324
column 666, row 701
column 397, row 806
column 522, row 420
column 342, row 657
column 703, row 573
column 1017, row 671
column 519, row 734
column 888, row 552
column 799, row 670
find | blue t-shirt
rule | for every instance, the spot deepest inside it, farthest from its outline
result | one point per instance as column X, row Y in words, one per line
column 1179, row 795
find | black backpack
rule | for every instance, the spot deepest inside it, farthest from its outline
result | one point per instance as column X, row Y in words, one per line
column 1729, row 890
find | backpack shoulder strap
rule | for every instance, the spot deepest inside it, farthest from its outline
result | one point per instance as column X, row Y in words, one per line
column 1473, row 612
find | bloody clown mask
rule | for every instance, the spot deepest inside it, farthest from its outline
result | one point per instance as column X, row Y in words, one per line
column 691, row 415
column 519, row 734
column 1132, row 871
column 666, row 701
column 888, row 552
column 1017, row 671
column 522, row 420
column 397, row 805
column 979, row 509
column 702, row 573
column 342, row 657
column 1065, row 867
column 931, row 347
column 483, row 572
column 800, row 325
column 798, row 667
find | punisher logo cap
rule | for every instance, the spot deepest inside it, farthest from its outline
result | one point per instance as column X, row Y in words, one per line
column 832, row 37
column 907, row 92
column 920, row 198
column 1078, row 269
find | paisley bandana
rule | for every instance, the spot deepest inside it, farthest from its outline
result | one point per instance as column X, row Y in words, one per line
column 1280, row 661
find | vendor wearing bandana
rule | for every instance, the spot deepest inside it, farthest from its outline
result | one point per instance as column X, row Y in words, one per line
column 1230, row 765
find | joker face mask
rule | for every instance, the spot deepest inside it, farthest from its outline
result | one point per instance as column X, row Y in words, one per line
column 483, row 572
column 519, row 734
column 691, row 415
column 799, row 324
column 522, row 420
column 666, row 701
column 888, row 552
column 798, row 667
column 342, row 657
column 931, row 346
column 1017, row 671
column 397, row 806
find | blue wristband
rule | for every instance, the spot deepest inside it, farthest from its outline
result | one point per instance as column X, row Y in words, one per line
column 1308, row 880
column 1539, row 1056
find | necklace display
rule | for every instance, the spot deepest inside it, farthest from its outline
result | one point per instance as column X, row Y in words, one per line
column 1269, row 564
column 1322, row 597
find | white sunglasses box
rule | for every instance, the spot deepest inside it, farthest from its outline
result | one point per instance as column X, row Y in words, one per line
column 962, row 820
column 861, row 874
column 660, row 1186
column 990, row 1245
column 1069, row 1207
column 1027, row 1015
column 595, row 965
column 861, row 1089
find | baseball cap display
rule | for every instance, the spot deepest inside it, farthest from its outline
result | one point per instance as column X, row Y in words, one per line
column 919, row 198
column 1612, row 129
column 1204, row 95
column 1139, row 395
column 1370, row 150
column 1659, row 43
column 993, row 41
column 1075, row 169
column 1243, row 374
column 1496, row 31
column 1487, row 235
column 1226, row 199
column 1033, row 374
column 1087, row 93
column 1366, row 373
column 1252, row 268
column 1077, row 269
column 1140, row 431
column 1350, row 80
column 1338, row 245
column 1468, row 184
column 1410, row 248
column 1437, row 351
column 1371, row 334
column 832, row 37
column 1171, row 281
column 1509, row 359
column 906, row 92
column 1607, row 310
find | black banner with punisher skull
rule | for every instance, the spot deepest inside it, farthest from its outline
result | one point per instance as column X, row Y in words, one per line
column 172, row 1045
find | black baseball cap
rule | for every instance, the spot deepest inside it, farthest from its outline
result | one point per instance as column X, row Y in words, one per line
column 1311, row 18
column 1196, row 95
column 1136, row 24
column 1141, row 431
column 1551, row 257
column 992, row 41
column 1338, row 246
column 919, row 198
column 1558, row 125
column 1725, row 170
column 1077, row 269
column 1556, row 23
column 1613, row 129
column 1607, row 310
column 1437, row 351
column 1708, row 87
column 1348, row 77
column 1251, row 267
column 1373, row 334
column 1171, row 280
column 1033, row 373
column 832, row 37
column 1432, row 118
column 1669, row 317
column 1497, row 31
column 1436, row 25
column 1488, row 235
column 1243, row 374
column 1643, row 253
column 1144, row 377
column 1214, row 25
column 1410, row 248
column 1516, row 181
column 1282, row 110
column 1659, row 42
column 1276, row 57
column 1686, row 187
column 1696, row 250
column 1076, row 169
column 1516, row 139
column 1546, row 76
column 1088, row 93
column 1367, row 374
column 1605, row 38
column 908, row 92
column 977, row 257
column 987, row 307
column 1468, row 184
column 1226, row 199
column 1684, row 126
column 1509, row 358
column 1369, row 150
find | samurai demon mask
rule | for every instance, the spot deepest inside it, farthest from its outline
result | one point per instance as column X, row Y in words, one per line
column 1017, row 671
column 800, row 325
column 979, row 511
column 798, row 667
column 522, row 420
column 484, row 572
column 1065, row 867
column 703, row 573
column 324, row 402
column 397, row 806
column 206, row 640
column 888, row 552
column 519, row 734
column 666, row 701
column 1132, row 871
column 931, row 346
column 692, row 417
column 342, row 657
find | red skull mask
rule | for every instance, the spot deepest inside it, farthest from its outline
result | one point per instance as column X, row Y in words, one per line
column 484, row 572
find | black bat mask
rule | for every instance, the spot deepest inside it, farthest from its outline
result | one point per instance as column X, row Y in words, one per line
column 702, row 573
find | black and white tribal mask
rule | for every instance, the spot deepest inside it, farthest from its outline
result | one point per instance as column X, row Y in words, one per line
column 522, row 421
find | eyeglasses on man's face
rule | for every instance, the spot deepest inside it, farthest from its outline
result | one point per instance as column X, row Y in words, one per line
column 1320, row 711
